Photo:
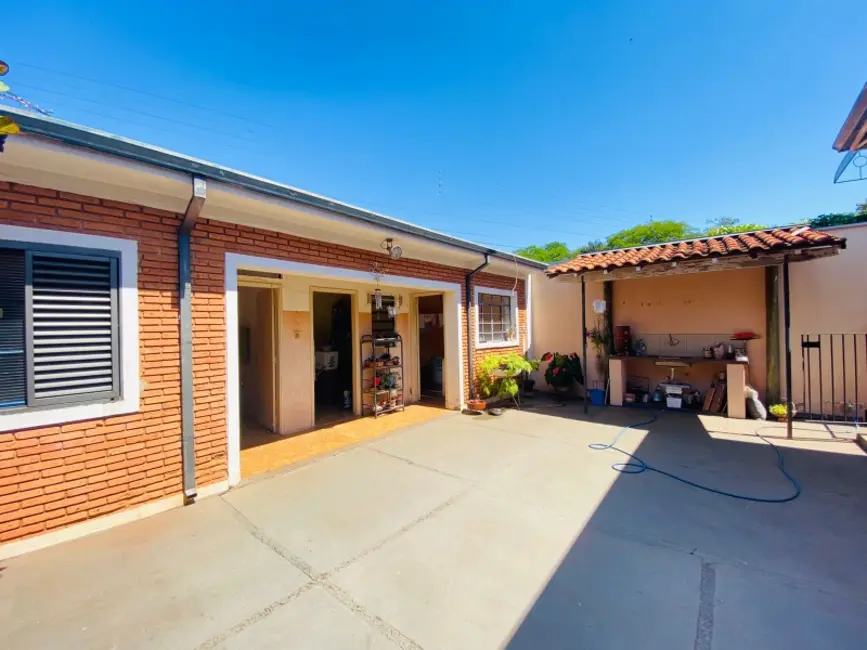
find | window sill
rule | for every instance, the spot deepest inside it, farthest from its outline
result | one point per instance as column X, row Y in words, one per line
column 493, row 345
column 50, row 416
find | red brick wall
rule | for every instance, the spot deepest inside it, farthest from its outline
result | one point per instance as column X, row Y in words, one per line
column 55, row 476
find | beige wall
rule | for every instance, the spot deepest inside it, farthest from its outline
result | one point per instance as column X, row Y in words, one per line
column 828, row 296
column 703, row 303
column 715, row 303
column 556, row 314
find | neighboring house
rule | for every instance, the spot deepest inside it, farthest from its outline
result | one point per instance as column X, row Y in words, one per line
column 140, row 289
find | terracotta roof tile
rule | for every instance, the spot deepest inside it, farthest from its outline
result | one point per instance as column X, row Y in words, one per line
column 763, row 241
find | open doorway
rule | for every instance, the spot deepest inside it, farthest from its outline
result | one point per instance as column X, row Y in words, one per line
column 332, row 344
column 431, row 348
column 257, row 349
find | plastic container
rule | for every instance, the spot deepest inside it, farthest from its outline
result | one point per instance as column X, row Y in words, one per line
column 597, row 396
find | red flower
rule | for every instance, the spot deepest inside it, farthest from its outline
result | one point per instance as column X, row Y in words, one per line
column 556, row 370
column 547, row 356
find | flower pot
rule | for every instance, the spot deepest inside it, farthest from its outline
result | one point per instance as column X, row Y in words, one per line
column 562, row 389
column 782, row 418
column 476, row 405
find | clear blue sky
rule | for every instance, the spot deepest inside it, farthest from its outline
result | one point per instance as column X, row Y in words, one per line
column 505, row 122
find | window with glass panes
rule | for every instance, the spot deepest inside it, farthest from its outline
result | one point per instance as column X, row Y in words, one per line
column 495, row 318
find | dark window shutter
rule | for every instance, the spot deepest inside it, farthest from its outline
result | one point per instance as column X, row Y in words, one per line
column 13, row 376
column 72, row 328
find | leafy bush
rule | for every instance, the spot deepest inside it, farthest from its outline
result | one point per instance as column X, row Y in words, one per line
column 510, row 364
column 563, row 369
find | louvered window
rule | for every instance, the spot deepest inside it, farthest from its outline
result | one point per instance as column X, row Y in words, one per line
column 59, row 337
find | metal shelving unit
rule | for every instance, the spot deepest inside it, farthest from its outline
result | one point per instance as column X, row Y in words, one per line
column 376, row 399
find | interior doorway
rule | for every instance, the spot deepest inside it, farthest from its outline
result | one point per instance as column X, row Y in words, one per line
column 334, row 362
column 258, row 353
column 431, row 348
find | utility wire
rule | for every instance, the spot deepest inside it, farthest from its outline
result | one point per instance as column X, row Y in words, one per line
column 155, row 116
column 70, row 75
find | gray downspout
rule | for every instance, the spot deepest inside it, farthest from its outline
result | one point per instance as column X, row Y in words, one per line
column 469, row 301
column 185, row 296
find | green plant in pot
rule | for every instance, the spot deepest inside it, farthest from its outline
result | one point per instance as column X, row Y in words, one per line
column 562, row 370
column 498, row 374
column 781, row 411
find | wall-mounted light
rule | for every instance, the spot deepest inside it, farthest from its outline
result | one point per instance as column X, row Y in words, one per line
column 394, row 252
column 377, row 298
column 638, row 269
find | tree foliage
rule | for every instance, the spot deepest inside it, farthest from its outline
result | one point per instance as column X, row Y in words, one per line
column 555, row 251
column 658, row 232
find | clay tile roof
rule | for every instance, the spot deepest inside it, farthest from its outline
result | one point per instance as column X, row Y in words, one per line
column 752, row 243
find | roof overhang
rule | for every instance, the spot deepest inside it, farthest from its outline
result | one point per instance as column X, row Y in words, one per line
column 853, row 134
column 78, row 159
column 682, row 267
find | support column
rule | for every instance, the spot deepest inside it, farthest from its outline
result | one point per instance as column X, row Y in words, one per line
column 772, row 333
column 736, row 385
column 584, row 339
column 787, row 324
column 617, row 379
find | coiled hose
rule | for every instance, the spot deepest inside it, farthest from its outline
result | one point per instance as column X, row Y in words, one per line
column 636, row 465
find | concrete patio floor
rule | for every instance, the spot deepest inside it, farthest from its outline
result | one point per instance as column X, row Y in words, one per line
column 481, row 533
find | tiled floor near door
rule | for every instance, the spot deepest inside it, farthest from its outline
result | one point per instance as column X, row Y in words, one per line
column 263, row 451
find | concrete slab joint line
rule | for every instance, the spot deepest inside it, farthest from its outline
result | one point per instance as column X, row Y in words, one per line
column 321, row 579
column 704, row 624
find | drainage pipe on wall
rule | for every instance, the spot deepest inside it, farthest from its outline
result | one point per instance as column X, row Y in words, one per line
column 469, row 303
column 185, row 303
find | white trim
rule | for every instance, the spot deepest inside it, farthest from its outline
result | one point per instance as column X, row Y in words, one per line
column 490, row 345
column 99, row 524
column 451, row 298
column 129, row 337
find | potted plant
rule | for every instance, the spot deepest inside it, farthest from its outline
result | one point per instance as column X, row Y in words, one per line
column 498, row 374
column 562, row 370
column 781, row 411
column 529, row 383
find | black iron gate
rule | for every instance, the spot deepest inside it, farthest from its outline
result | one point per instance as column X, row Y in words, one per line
column 833, row 373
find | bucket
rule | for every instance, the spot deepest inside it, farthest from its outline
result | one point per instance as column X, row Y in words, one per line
column 597, row 396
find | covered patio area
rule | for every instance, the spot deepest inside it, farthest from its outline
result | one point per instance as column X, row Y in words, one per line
column 692, row 324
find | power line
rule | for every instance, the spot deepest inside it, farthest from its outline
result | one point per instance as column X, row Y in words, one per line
column 145, row 92
column 138, row 112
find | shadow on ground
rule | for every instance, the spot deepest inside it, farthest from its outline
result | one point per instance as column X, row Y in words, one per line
column 713, row 572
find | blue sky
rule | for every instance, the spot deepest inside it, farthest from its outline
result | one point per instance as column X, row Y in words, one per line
column 505, row 122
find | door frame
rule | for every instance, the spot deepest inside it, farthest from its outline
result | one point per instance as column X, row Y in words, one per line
column 414, row 328
column 276, row 310
column 452, row 315
column 356, row 352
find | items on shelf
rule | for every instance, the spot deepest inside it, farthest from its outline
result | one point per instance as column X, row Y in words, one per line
column 381, row 374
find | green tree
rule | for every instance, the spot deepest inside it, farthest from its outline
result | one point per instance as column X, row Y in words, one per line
column 729, row 226
column 652, row 232
column 555, row 251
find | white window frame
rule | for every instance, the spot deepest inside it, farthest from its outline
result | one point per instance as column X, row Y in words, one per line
column 128, row 402
column 487, row 345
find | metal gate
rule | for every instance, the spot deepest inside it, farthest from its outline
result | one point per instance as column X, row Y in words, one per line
column 833, row 373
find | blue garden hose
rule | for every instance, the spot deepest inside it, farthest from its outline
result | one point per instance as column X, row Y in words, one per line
column 638, row 466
